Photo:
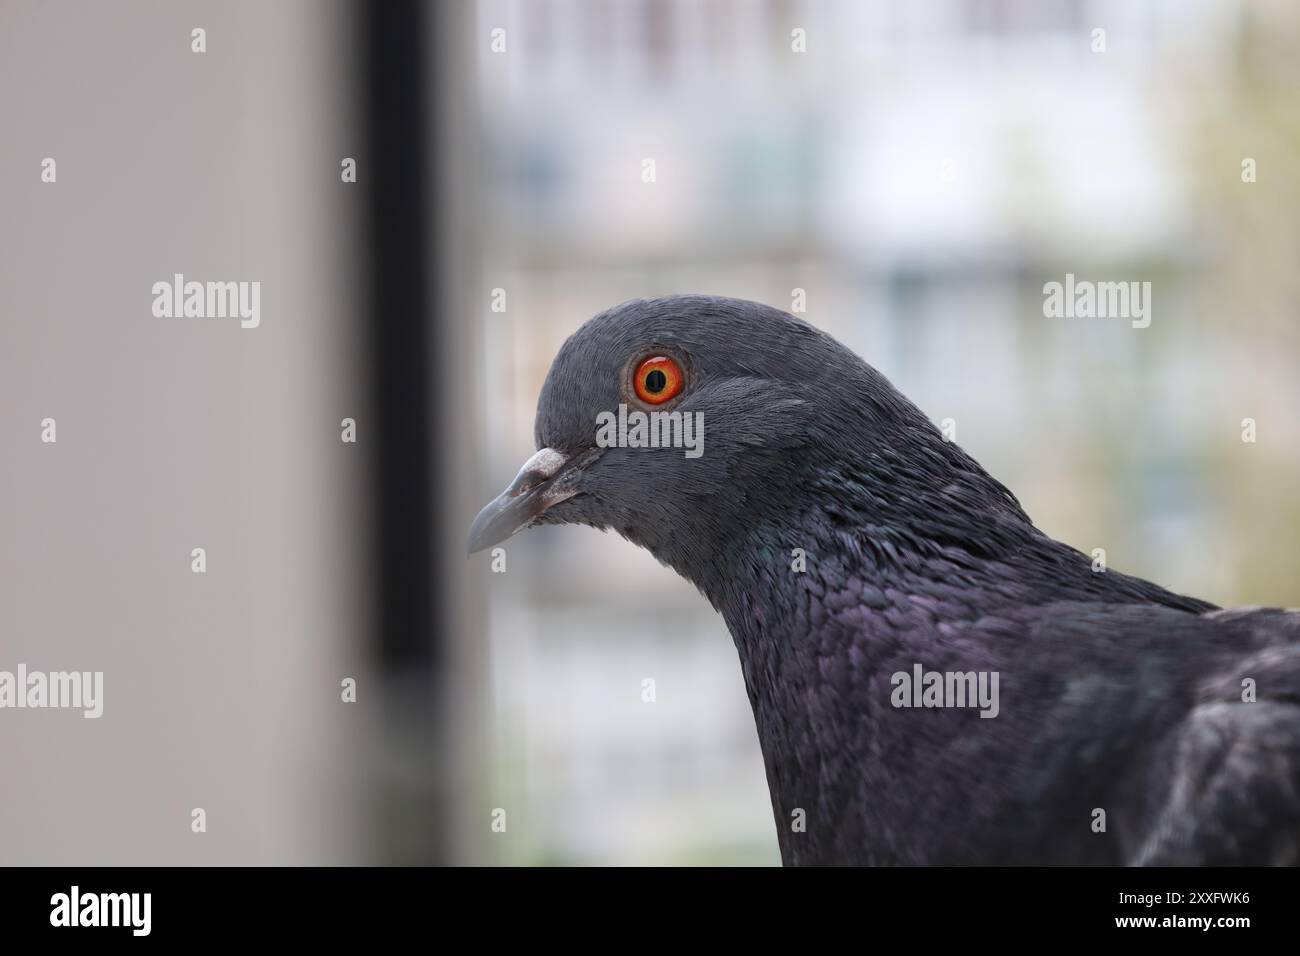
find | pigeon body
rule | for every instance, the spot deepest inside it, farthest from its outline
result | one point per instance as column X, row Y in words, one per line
column 845, row 542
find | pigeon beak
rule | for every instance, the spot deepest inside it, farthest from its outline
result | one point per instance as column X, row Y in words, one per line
column 536, row 488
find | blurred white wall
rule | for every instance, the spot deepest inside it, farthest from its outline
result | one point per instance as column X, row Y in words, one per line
column 222, row 690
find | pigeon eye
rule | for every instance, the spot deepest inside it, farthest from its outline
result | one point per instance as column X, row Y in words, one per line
column 658, row 379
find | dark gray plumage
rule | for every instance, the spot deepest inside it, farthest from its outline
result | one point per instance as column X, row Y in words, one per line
column 1115, row 694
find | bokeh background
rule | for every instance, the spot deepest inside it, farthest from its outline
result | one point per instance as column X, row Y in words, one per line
column 919, row 171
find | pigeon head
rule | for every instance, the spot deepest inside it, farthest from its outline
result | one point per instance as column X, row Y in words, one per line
column 698, row 425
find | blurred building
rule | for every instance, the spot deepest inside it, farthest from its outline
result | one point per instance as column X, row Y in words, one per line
column 919, row 171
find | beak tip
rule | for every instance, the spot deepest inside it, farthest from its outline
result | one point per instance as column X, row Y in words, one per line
column 479, row 532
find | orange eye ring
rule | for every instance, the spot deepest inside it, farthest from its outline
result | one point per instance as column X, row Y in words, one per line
column 658, row 379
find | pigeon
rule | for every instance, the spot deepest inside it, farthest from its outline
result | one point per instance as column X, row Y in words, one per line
column 934, row 681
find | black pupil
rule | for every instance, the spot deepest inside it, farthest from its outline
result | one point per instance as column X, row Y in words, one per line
column 656, row 382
